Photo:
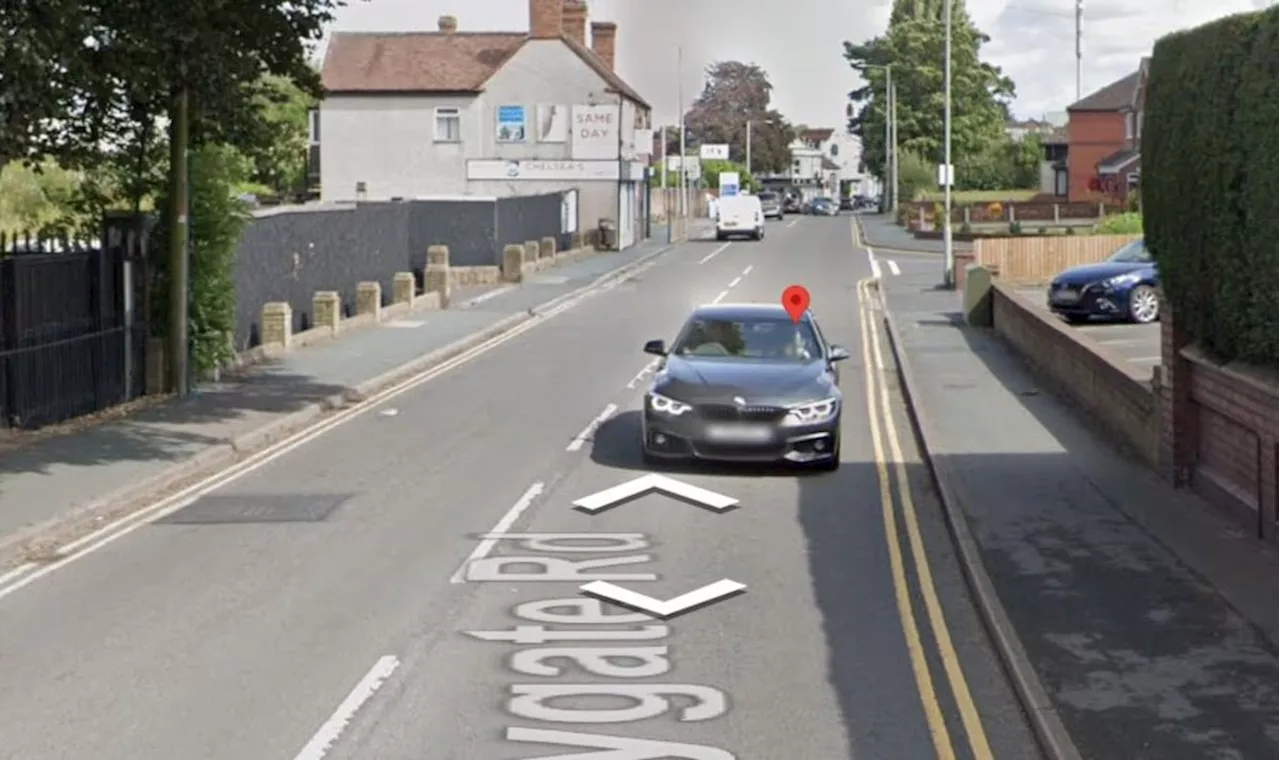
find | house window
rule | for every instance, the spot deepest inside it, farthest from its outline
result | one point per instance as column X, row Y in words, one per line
column 313, row 126
column 835, row 150
column 1128, row 126
column 448, row 125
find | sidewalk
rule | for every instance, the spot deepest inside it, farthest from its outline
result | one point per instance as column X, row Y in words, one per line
column 881, row 233
column 1149, row 619
column 69, row 483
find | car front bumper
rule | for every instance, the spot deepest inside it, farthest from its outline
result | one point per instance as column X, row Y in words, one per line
column 685, row 437
column 1092, row 300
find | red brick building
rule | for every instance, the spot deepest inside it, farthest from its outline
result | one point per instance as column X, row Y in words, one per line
column 1104, row 138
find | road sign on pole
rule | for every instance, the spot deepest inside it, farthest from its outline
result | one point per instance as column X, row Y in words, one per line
column 713, row 152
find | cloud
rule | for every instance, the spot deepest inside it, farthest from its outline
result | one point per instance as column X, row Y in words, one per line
column 799, row 42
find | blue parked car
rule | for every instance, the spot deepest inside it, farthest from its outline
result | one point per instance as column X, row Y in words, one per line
column 1122, row 287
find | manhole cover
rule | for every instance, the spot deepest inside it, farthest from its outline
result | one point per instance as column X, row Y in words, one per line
column 261, row 508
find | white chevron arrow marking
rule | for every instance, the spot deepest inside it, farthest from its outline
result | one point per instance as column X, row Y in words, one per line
column 611, row 497
column 708, row 594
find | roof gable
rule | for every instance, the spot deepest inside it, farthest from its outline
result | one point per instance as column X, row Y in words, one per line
column 1116, row 96
column 427, row 62
column 415, row 61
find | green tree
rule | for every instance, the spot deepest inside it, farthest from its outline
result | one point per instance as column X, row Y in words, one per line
column 915, row 176
column 913, row 45
column 276, row 142
column 712, row 169
column 734, row 94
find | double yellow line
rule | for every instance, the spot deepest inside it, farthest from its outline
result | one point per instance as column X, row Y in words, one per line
column 884, row 429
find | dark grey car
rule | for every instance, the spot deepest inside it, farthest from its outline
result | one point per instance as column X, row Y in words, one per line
column 743, row 382
column 770, row 204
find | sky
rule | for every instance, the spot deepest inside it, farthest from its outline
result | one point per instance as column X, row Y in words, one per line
column 664, row 46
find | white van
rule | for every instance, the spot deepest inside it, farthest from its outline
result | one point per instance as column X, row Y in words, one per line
column 739, row 215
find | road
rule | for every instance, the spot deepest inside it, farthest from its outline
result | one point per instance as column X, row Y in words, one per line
column 361, row 629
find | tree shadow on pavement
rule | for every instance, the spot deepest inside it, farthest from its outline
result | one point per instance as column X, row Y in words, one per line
column 169, row 430
column 1106, row 572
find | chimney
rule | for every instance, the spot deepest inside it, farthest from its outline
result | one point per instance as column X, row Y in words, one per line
column 574, row 14
column 448, row 24
column 604, row 36
column 544, row 19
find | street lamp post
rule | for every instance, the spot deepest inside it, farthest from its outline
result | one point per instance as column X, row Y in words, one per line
column 889, row 178
column 949, row 260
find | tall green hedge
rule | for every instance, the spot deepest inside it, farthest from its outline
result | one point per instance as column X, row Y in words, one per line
column 1209, row 182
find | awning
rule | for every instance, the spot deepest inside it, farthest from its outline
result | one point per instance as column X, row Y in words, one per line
column 1118, row 161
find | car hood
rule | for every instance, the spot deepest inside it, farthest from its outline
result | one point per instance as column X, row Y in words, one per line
column 1083, row 275
column 715, row 380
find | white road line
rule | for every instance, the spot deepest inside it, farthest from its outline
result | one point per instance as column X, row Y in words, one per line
column 486, row 296
column 331, row 730
column 646, row 369
column 24, row 575
column 1119, row 341
column 791, row 223
column 735, row 282
column 503, row 525
column 875, row 269
column 747, row 271
column 720, row 297
column 714, row 253
column 580, row 439
column 1146, row 359
column 893, row 267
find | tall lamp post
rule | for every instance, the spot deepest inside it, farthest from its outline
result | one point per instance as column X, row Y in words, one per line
column 949, row 258
column 749, row 123
column 890, row 173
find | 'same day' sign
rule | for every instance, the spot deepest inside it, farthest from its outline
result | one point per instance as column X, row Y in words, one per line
column 595, row 132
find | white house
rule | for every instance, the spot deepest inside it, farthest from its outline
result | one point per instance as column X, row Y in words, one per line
column 488, row 114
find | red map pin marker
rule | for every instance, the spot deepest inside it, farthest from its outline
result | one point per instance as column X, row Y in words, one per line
column 795, row 300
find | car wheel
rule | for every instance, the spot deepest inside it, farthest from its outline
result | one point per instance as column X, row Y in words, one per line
column 1144, row 305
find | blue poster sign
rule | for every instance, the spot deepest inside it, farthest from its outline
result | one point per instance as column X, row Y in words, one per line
column 511, row 124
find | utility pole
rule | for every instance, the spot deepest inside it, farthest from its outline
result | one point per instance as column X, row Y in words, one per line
column 179, row 309
column 666, row 192
column 889, row 156
column 949, row 257
column 1079, row 49
column 748, row 146
column 893, row 109
column 684, row 172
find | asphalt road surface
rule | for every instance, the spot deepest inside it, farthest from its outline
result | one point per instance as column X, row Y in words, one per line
column 382, row 624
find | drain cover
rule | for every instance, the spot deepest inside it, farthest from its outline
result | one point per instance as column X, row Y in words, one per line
column 261, row 508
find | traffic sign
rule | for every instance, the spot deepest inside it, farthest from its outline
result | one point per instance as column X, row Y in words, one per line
column 714, row 152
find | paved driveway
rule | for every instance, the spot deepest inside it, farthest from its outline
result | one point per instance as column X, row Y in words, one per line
column 1139, row 344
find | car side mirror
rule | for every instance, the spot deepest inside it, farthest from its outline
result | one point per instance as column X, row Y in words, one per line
column 837, row 353
column 656, row 347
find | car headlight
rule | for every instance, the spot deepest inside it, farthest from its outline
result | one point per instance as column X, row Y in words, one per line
column 1121, row 280
column 811, row 413
column 664, row 405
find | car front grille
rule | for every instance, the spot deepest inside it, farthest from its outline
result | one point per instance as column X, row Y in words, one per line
column 730, row 413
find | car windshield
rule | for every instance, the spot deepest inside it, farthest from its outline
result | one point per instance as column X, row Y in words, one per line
column 1132, row 253
column 768, row 196
column 822, row 200
column 765, row 338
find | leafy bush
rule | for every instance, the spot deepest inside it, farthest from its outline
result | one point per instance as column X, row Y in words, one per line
column 1128, row 223
column 1209, row 184
column 915, row 176
column 218, row 219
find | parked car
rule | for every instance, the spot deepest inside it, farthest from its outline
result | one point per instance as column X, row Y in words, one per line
column 1122, row 287
column 847, row 203
column 824, row 207
column 770, row 204
column 792, row 204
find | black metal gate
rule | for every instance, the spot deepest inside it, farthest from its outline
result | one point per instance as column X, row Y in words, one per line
column 72, row 330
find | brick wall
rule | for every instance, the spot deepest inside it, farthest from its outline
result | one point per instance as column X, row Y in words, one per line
column 1091, row 137
column 1219, row 437
column 1110, row 389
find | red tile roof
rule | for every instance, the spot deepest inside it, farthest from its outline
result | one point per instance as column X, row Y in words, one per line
column 425, row 62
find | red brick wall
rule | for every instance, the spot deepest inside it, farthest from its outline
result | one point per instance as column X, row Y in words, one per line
column 1220, row 431
column 1091, row 137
